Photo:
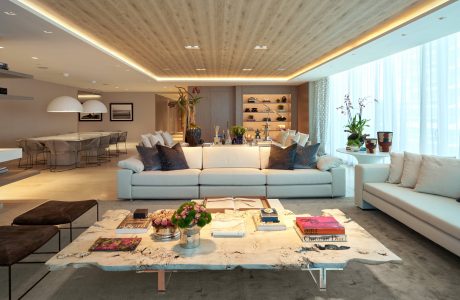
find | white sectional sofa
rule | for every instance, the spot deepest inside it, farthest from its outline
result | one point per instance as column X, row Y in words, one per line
column 229, row 171
column 436, row 217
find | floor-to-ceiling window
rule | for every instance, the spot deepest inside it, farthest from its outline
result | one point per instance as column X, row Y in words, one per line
column 418, row 93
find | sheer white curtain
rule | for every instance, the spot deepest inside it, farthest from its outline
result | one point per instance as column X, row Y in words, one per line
column 418, row 93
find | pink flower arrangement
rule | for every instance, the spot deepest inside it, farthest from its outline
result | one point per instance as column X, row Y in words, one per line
column 162, row 218
column 190, row 214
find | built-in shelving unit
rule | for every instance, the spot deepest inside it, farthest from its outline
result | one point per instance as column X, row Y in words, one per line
column 12, row 74
column 256, row 120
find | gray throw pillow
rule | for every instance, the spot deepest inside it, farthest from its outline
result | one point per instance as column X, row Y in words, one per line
column 172, row 158
column 282, row 159
column 150, row 158
column 306, row 157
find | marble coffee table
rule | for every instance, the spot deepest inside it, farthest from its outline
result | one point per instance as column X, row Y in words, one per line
column 270, row 250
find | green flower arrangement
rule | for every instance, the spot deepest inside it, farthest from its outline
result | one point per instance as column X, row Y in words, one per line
column 190, row 214
column 238, row 130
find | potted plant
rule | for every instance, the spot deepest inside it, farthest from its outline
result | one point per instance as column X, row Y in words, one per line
column 190, row 217
column 356, row 122
column 164, row 228
column 238, row 133
column 187, row 102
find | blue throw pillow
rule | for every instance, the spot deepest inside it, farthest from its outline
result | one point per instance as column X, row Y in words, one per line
column 306, row 157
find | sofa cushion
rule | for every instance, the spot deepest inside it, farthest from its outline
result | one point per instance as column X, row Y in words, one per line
column 145, row 140
column 396, row 167
column 282, row 158
column 185, row 177
column 441, row 212
column 411, row 167
column 446, row 172
column 299, row 177
column 231, row 157
column 232, row 176
column 194, row 157
column 326, row 162
column 168, row 139
column 306, row 157
column 172, row 158
column 150, row 158
column 132, row 163
column 154, row 139
column 264, row 157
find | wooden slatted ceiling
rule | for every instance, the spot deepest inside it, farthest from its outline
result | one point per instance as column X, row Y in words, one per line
column 153, row 33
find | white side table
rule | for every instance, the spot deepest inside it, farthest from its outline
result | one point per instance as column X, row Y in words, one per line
column 366, row 158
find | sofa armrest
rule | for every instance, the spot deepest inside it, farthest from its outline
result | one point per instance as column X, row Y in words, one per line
column 124, row 183
column 338, row 181
column 367, row 173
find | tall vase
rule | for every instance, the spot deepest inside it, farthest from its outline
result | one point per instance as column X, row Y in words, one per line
column 190, row 237
column 385, row 139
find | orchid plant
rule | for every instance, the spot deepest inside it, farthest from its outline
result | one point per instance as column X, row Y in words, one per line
column 191, row 214
column 356, row 122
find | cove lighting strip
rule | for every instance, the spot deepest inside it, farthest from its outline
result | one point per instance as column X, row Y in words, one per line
column 417, row 11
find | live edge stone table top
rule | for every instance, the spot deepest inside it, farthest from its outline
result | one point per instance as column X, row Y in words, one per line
column 275, row 250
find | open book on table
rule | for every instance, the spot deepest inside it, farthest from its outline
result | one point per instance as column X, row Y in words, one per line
column 235, row 203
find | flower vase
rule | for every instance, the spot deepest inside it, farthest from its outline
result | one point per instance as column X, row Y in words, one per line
column 385, row 140
column 190, row 237
column 239, row 140
column 165, row 232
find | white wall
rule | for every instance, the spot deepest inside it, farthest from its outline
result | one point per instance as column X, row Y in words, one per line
column 22, row 118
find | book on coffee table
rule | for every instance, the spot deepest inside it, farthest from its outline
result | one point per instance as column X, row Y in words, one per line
column 269, row 226
column 130, row 225
column 228, row 225
column 320, row 237
column 214, row 205
column 115, row 244
column 319, row 225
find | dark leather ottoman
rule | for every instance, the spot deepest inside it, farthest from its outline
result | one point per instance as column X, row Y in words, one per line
column 56, row 213
column 18, row 242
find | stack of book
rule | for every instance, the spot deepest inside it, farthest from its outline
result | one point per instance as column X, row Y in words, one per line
column 3, row 170
column 269, row 220
column 131, row 225
column 320, row 229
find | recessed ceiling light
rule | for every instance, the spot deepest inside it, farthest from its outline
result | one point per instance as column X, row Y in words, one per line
column 126, row 89
column 93, row 81
column 192, row 47
column 66, row 74
column 42, row 67
column 441, row 18
column 260, row 47
column 34, row 57
column 127, row 70
column 200, row 69
column 9, row 13
column 165, row 87
column 281, row 69
column 47, row 31
column 117, row 87
column 1, row 47
column 247, row 69
column 166, row 69
column 403, row 34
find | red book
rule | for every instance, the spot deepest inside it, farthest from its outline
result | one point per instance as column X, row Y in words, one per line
column 319, row 225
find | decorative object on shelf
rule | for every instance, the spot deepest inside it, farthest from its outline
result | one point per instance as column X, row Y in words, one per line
column 280, row 107
column 254, row 109
column 281, row 118
column 371, row 144
column 267, row 119
column 278, row 100
column 266, row 101
column 162, row 223
column 257, row 137
column 284, row 99
column 216, row 134
column 252, row 100
column 385, row 139
column 228, row 139
column 3, row 91
column 238, row 133
column 356, row 123
column 251, row 118
column 247, row 109
column 248, row 138
column 4, row 66
column 190, row 217
column 121, row 112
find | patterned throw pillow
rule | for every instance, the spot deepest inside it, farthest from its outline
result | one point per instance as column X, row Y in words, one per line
column 306, row 157
column 282, row 159
column 150, row 158
column 172, row 158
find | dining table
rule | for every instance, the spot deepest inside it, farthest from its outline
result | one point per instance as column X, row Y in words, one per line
column 78, row 138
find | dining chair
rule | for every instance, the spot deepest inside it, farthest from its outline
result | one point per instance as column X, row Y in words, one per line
column 31, row 151
column 103, row 154
column 61, row 150
column 114, row 141
column 89, row 150
column 122, row 137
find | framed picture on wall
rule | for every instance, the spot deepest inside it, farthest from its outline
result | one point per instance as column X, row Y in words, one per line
column 85, row 117
column 121, row 112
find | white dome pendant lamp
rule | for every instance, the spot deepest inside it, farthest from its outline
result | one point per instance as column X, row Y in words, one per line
column 64, row 104
column 94, row 107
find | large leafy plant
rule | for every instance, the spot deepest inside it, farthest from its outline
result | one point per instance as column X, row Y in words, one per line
column 186, row 103
column 238, row 130
column 190, row 214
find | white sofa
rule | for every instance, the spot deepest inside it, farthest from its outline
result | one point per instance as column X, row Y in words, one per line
column 436, row 217
column 229, row 171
